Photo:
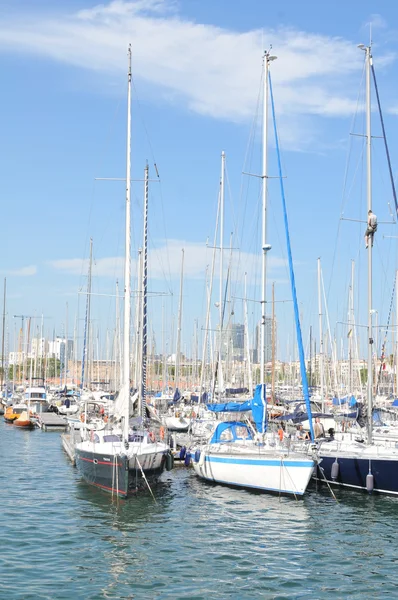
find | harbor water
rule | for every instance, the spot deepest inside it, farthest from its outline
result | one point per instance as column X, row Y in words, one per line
column 61, row 538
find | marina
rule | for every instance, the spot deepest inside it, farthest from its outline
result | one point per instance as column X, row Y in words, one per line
column 199, row 368
column 100, row 547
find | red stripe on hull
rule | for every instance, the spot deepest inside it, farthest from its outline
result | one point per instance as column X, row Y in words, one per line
column 100, row 462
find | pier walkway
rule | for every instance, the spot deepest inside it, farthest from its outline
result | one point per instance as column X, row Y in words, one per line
column 49, row 421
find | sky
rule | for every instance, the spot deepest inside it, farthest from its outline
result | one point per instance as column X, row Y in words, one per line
column 197, row 76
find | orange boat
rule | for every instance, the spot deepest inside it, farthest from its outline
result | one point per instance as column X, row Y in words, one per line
column 24, row 421
column 13, row 412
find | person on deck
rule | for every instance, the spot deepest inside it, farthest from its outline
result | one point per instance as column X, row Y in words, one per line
column 319, row 429
column 301, row 434
column 371, row 229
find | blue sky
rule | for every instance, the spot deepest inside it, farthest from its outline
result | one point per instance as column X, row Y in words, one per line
column 196, row 69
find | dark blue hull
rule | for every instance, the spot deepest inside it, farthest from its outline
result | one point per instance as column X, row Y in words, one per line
column 113, row 474
column 104, row 472
column 352, row 473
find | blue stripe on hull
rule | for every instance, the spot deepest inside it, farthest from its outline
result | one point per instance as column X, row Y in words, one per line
column 353, row 472
column 253, row 487
column 260, row 462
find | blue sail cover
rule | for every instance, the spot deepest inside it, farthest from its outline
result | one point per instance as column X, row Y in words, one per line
column 258, row 406
column 230, row 406
column 351, row 400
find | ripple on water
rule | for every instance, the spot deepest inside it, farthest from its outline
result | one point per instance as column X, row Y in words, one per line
column 198, row 541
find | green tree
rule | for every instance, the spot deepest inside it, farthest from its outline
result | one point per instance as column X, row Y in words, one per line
column 363, row 373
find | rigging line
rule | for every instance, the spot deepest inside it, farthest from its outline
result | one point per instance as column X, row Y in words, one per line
column 304, row 380
column 143, row 123
column 360, row 163
column 244, row 192
column 385, row 139
column 360, row 93
column 98, row 165
column 385, row 338
column 141, row 114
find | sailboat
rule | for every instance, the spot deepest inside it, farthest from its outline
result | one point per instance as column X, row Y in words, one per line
column 237, row 454
column 356, row 461
column 119, row 458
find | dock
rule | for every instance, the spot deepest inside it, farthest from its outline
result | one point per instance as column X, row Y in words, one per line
column 49, row 421
column 69, row 446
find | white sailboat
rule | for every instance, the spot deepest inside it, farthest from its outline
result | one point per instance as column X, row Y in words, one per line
column 363, row 462
column 235, row 454
column 115, row 458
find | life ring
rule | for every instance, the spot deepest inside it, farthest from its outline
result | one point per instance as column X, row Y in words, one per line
column 105, row 418
column 82, row 417
column 151, row 436
column 193, row 414
column 102, row 410
column 161, row 432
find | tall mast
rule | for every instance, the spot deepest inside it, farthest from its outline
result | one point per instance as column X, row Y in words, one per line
column 396, row 342
column 351, row 331
column 87, row 318
column 265, row 247
column 178, row 353
column 3, row 337
column 144, row 331
column 138, row 328
column 222, row 201
column 66, row 346
column 368, row 51
column 127, row 265
column 247, row 342
column 273, row 344
column 320, row 336
column 117, row 365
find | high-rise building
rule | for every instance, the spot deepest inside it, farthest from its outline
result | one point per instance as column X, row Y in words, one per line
column 232, row 342
column 39, row 347
column 268, row 340
column 56, row 349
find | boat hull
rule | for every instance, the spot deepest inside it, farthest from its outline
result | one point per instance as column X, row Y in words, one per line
column 120, row 475
column 178, row 424
column 353, row 471
column 24, row 423
column 283, row 475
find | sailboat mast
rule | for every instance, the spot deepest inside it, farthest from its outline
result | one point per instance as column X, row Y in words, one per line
column 368, row 51
column 87, row 319
column 273, row 345
column 144, row 331
column 222, row 201
column 247, row 342
column 265, row 246
column 3, row 337
column 178, row 345
column 396, row 343
column 127, row 265
column 66, row 362
column 320, row 336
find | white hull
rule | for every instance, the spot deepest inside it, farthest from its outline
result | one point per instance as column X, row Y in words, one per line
column 72, row 410
column 176, row 423
column 266, row 470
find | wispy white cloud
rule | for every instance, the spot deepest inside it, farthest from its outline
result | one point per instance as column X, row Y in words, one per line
column 22, row 272
column 164, row 263
column 210, row 70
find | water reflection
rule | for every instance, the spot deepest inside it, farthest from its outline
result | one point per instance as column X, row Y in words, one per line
column 198, row 541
